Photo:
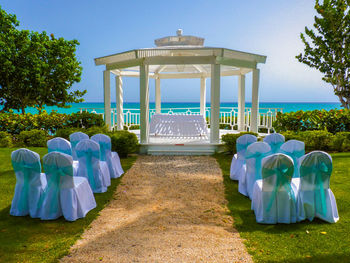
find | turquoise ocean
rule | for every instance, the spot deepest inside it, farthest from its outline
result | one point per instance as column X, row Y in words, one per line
column 285, row 106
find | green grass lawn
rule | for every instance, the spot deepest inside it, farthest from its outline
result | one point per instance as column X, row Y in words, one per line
column 315, row 241
column 24, row 239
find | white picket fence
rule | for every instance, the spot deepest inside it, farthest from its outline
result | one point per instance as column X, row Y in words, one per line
column 228, row 116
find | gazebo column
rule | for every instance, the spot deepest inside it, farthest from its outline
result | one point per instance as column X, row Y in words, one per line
column 215, row 104
column 119, row 102
column 255, row 101
column 202, row 97
column 144, row 104
column 157, row 95
column 241, row 103
column 107, row 98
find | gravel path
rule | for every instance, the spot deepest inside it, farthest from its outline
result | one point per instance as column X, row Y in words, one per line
column 166, row 209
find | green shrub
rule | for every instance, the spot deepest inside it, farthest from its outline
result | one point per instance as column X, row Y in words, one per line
column 85, row 120
column 65, row 132
column 333, row 121
column 341, row 141
column 16, row 123
column 5, row 139
column 229, row 140
column 317, row 140
column 124, row 143
column 35, row 138
column 95, row 130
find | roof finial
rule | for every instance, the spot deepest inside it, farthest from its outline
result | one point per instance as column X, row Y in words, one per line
column 179, row 32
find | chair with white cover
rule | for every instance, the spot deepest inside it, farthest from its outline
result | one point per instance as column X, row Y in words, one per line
column 238, row 160
column 275, row 140
column 65, row 194
column 88, row 153
column 112, row 158
column 74, row 139
column 315, row 198
column 254, row 155
column 274, row 197
column 30, row 183
column 59, row 144
column 295, row 149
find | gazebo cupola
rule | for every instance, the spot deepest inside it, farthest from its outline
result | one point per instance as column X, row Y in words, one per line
column 182, row 57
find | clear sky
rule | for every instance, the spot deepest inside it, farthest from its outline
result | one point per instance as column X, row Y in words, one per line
column 105, row 27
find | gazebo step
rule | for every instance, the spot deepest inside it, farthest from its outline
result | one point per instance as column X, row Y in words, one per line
column 180, row 149
column 181, row 152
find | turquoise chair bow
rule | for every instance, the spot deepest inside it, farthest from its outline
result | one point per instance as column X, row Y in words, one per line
column 295, row 155
column 284, row 176
column 68, row 151
column 26, row 169
column 104, row 147
column 322, row 172
column 53, row 182
column 241, row 146
column 275, row 146
column 88, row 155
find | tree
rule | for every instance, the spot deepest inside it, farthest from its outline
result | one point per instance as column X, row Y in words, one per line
column 35, row 69
column 329, row 51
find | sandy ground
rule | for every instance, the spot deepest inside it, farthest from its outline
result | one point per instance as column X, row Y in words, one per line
column 167, row 209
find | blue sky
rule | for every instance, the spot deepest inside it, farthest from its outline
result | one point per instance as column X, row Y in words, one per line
column 104, row 27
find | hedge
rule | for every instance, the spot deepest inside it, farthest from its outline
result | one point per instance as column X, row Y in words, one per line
column 332, row 121
column 16, row 123
column 314, row 140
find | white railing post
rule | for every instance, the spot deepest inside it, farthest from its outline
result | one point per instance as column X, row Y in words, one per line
column 202, row 97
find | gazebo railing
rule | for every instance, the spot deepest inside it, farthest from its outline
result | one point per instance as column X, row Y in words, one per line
column 228, row 116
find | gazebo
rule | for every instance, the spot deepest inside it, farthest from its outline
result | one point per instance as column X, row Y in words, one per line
column 181, row 57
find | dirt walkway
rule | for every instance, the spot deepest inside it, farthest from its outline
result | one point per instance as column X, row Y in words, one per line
column 167, row 209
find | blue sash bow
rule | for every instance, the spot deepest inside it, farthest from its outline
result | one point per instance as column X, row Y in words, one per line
column 105, row 147
column 322, row 173
column 295, row 155
column 88, row 155
column 27, row 169
column 284, row 175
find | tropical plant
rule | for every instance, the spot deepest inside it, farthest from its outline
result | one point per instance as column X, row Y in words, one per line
column 35, row 69
column 329, row 50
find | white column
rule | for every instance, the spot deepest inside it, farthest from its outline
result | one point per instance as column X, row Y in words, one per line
column 119, row 102
column 144, row 103
column 157, row 95
column 107, row 98
column 202, row 97
column 255, row 101
column 241, row 102
column 215, row 103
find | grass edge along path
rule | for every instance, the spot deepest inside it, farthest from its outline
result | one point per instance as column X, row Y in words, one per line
column 315, row 241
column 24, row 239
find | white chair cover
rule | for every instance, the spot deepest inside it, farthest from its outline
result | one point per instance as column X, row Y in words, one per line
column 106, row 155
column 274, row 197
column 315, row 198
column 59, row 144
column 88, row 153
column 295, row 149
column 75, row 138
column 275, row 140
column 30, row 183
column 254, row 155
column 64, row 195
column 238, row 160
column 62, row 145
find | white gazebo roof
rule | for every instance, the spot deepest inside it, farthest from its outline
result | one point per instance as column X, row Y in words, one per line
column 180, row 57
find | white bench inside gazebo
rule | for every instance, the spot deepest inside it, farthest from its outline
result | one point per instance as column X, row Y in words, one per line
column 181, row 57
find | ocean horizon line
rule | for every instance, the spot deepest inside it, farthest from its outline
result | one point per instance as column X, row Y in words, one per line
column 208, row 102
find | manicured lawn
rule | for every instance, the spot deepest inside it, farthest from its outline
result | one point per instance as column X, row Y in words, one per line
column 300, row 242
column 23, row 239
